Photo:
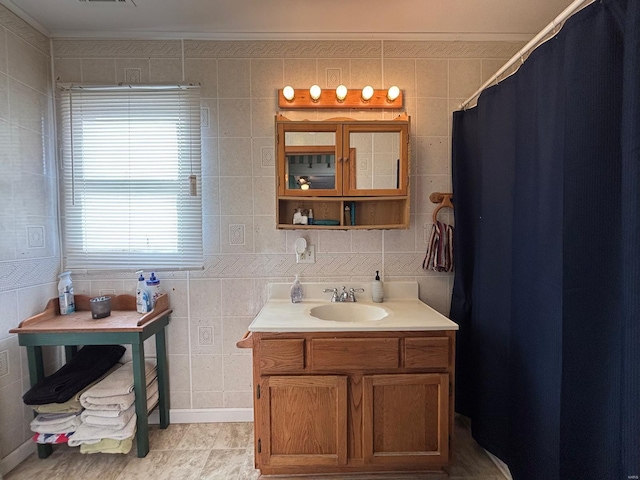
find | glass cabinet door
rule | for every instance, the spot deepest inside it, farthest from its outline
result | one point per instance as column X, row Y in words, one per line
column 377, row 159
column 311, row 161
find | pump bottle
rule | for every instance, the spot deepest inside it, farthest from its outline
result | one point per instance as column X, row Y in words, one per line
column 65, row 294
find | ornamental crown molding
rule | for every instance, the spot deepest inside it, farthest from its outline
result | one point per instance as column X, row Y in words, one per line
column 450, row 49
column 22, row 29
column 110, row 48
column 281, row 49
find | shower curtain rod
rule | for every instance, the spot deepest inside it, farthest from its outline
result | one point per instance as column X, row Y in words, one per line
column 535, row 42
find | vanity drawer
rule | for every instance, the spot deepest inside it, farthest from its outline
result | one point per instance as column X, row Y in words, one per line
column 426, row 352
column 282, row 356
column 354, row 353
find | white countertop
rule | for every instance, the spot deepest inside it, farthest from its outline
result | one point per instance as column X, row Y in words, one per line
column 405, row 311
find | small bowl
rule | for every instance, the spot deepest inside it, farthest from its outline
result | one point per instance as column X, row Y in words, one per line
column 100, row 307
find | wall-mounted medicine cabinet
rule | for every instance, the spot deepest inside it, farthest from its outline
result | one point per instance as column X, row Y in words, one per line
column 333, row 164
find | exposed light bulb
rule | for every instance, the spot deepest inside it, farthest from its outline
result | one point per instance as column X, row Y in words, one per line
column 304, row 186
column 315, row 92
column 367, row 93
column 393, row 93
column 288, row 92
column 341, row 93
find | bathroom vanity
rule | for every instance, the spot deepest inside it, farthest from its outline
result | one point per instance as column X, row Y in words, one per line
column 353, row 387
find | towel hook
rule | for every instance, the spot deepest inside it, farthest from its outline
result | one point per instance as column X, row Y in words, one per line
column 444, row 200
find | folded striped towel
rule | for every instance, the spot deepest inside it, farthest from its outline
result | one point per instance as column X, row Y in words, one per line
column 117, row 403
column 439, row 257
column 54, row 438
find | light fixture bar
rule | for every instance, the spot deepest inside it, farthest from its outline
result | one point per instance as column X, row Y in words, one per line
column 328, row 100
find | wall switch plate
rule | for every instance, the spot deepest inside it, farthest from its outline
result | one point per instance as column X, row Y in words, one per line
column 308, row 256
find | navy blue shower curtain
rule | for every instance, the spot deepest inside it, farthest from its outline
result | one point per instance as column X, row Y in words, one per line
column 546, row 177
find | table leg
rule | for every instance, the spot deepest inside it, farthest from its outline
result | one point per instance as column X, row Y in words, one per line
column 140, row 388
column 163, row 378
column 36, row 373
column 70, row 352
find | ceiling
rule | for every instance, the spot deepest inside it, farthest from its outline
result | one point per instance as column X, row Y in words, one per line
column 282, row 19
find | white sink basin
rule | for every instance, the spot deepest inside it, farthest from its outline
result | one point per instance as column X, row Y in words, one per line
column 348, row 312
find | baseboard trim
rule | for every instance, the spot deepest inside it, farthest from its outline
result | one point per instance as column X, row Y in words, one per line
column 504, row 469
column 205, row 415
column 16, row 457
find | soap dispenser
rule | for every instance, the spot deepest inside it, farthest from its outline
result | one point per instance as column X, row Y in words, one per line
column 377, row 290
column 296, row 291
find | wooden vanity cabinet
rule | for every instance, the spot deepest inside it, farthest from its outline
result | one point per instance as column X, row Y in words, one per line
column 352, row 402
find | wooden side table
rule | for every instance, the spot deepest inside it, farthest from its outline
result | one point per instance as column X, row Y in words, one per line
column 124, row 326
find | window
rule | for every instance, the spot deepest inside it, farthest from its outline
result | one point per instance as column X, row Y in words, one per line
column 130, row 177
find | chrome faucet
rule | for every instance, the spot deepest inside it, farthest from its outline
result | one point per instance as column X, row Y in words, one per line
column 343, row 296
column 334, row 297
column 352, row 294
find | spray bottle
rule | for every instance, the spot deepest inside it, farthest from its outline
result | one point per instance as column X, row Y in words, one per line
column 65, row 294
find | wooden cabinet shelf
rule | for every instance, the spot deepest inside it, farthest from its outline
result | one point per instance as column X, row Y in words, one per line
column 370, row 212
column 329, row 165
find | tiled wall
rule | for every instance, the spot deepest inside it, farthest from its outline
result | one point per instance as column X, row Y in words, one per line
column 244, row 251
column 29, row 249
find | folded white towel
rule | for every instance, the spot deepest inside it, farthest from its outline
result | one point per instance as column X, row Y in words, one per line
column 88, row 434
column 152, row 401
column 55, row 423
column 116, row 389
column 93, row 418
column 52, row 418
column 105, row 418
column 116, row 403
column 120, row 381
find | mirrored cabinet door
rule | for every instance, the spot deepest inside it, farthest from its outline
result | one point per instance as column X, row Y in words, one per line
column 377, row 160
column 310, row 159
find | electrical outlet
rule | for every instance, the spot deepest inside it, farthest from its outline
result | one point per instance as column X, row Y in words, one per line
column 308, row 256
column 4, row 363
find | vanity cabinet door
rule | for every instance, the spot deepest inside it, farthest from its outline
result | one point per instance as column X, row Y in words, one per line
column 303, row 421
column 406, row 419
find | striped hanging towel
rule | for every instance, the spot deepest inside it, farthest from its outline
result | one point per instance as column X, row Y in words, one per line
column 439, row 257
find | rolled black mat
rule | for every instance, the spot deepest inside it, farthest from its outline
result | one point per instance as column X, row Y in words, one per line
column 88, row 365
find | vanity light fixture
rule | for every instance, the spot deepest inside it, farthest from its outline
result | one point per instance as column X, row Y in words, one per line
column 340, row 98
column 367, row 93
column 304, row 183
column 315, row 91
column 393, row 93
column 289, row 93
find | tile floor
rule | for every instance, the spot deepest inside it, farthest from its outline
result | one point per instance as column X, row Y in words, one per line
column 219, row 451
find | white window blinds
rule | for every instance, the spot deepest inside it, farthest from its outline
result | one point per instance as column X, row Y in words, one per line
column 130, row 177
